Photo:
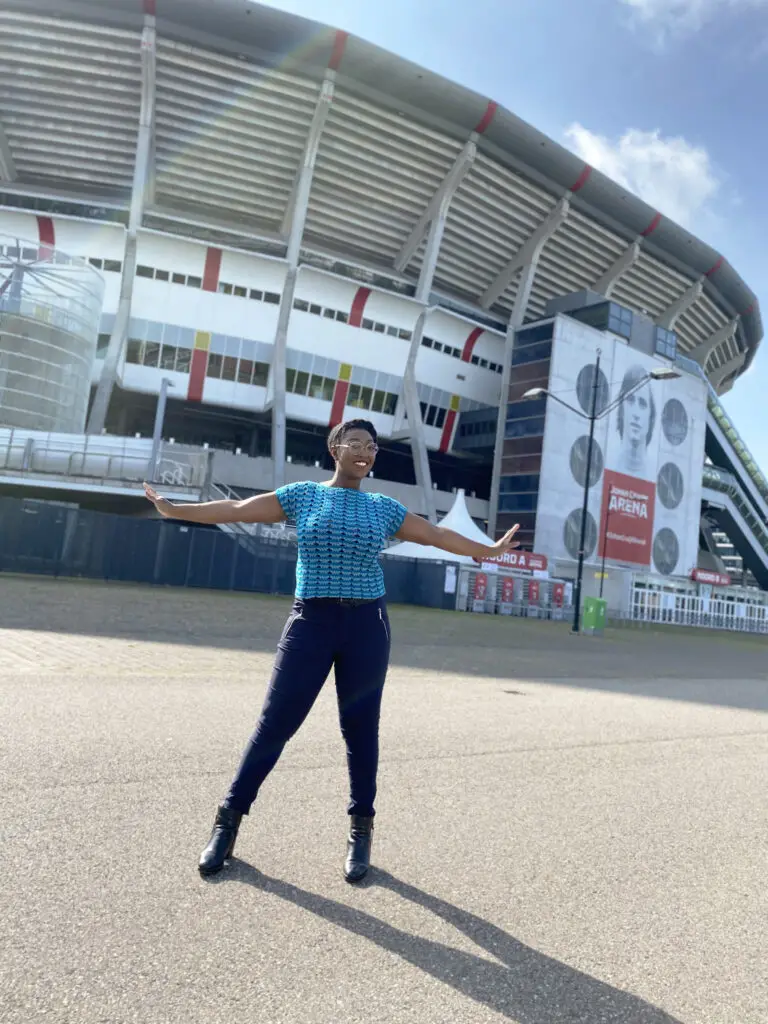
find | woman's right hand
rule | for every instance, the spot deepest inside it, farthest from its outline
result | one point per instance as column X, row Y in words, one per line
column 163, row 506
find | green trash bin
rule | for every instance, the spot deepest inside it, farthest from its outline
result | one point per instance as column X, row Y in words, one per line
column 593, row 618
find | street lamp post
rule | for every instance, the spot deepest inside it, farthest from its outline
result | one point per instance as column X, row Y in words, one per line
column 662, row 373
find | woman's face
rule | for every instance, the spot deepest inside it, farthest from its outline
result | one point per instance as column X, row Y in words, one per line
column 355, row 453
column 637, row 418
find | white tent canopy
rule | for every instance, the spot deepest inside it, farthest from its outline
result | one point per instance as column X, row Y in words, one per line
column 458, row 520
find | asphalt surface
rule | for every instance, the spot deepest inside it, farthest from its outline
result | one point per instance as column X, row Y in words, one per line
column 569, row 829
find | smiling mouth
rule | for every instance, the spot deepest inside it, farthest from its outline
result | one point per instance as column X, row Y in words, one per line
column 362, row 465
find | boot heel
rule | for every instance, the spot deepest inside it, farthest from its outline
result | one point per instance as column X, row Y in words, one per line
column 358, row 848
column 222, row 842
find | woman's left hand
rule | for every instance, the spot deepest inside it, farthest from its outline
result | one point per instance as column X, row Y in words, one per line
column 507, row 543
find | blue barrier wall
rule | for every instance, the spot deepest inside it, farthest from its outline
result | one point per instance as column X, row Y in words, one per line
column 55, row 540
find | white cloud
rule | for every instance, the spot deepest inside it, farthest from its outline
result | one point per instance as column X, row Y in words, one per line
column 676, row 16
column 670, row 174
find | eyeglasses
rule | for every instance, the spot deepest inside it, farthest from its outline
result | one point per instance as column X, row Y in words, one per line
column 358, row 446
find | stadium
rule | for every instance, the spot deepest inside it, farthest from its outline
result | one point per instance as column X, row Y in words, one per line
column 236, row 227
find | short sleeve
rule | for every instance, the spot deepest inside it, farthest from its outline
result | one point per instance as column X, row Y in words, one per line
column 393, row 514
column 288, row 497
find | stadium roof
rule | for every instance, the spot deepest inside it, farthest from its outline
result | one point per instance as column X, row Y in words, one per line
column 236, row 89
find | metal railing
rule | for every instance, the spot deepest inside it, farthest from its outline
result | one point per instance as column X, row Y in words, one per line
column 726, row 483
column 98, row 460
column 728, row 428
column 707, row 612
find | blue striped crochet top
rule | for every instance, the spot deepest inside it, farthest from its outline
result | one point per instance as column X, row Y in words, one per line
column 341, row 532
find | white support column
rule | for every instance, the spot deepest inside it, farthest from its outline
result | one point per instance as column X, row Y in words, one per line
column 297, row 219
column 449, row 185
column 98, row 415
column 408, row 405
column 7, row 163
column 719, row 375
column 721, row 336
column 525, row 253
column 670, row 315
column 606, row 284
column 516, row 320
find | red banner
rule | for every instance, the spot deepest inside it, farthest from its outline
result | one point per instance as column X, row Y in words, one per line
column 521, row 560
column 481, row 586
column 533, row 592
column 717, row 579
column 626, row 523
column 558, row 594
column 507, row 590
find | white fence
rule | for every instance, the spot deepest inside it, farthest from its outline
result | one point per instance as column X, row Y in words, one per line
column 709, row 612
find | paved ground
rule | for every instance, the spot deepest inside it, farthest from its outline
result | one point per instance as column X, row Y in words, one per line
column 570, row 829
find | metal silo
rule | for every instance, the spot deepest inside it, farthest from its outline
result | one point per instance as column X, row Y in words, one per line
column 50, row 307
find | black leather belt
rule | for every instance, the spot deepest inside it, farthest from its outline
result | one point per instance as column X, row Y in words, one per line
column 350, row 602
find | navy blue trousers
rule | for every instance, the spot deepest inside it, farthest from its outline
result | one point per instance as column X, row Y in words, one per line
column 319, row 635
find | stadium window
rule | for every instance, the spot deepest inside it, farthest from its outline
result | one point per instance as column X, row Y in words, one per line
column 152, row 353
column 260, row 374
column 342, row 317
column 240, row 292
column 194, row 282
column 290, row 377
column 142, row 271
column 484, row 364
column 367, row 324
column 244, row 371
column 378, row 401
column 329, row 314
column 179, row 278
column 456, row 353
column 183, row 359
column 273, row 298
column 102, row 344
column 475, row 360
column 94, row 261
column 301, row 304
column 426, row 342
column 366, row 396
column 168, row 357
column 440, row 418
column 379, row 328
column 214, row 366
column 390, row 404
column 431, row 414
column 162, row 275
column 315, row 309
column 256, row 295
column 404, row 335
column 113, row 266
column 392, row 332
column 134, row 351
column 229, row 368
column 423, row 407
column 353, row 396
column 437, row 346
column 225, row 288
column 666, row 343
column 301, row 383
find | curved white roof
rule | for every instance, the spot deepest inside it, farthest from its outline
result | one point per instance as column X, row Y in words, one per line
column 236, row 90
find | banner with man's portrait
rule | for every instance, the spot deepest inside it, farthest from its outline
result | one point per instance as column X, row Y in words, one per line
column 647, row 456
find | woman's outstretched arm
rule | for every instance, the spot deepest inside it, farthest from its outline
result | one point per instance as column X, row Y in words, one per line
column 262, row 508
column 421, row 531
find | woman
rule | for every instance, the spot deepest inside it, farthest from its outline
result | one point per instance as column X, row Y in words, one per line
column 339, row 619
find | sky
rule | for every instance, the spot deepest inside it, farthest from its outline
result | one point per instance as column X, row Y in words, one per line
column 667, row 97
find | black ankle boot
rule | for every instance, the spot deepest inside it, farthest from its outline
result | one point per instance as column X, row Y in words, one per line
column 358, row 848
column 222, row 842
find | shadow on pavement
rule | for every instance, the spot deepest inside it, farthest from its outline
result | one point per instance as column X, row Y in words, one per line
column 526, row 986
